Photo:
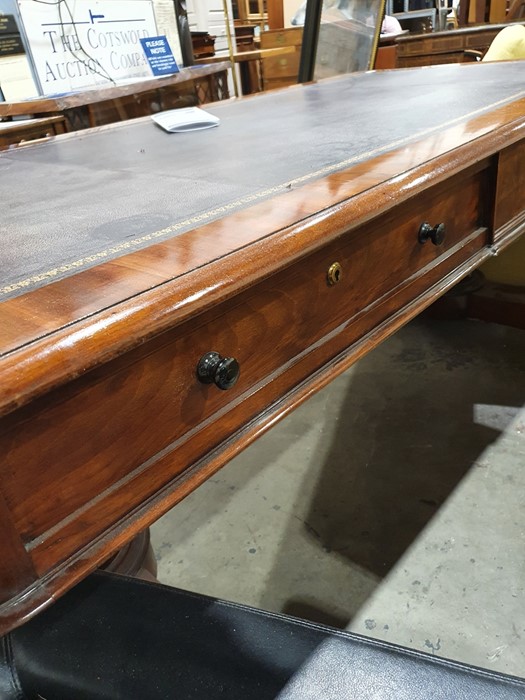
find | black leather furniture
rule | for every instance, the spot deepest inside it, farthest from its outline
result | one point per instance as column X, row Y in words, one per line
column 116, row 638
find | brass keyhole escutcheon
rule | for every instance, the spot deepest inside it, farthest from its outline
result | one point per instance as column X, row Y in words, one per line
column 334, row 274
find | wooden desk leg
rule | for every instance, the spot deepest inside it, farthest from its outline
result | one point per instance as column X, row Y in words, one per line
column 91, row 116
column 220, row 85
column 202, row 91
column 135, row 559
column 481, row 11
column 60, row 127
column 464, row 10
column 121, row 111
column 477, row 298
column 212, row 88
column 250, row 77
column 498, row 303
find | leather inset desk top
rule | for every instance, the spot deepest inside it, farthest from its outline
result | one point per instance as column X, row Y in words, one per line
column 179, row 249
column 88, row 198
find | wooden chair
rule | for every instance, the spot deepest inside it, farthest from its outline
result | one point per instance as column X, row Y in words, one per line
column 516, row 10
column 481, row 11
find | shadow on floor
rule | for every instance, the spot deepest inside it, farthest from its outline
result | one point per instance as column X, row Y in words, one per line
column 405, row 433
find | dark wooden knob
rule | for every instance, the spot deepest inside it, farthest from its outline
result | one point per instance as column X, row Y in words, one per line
column 218, row 370
column 435, row 233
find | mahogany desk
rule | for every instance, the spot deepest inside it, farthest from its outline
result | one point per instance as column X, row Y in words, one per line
column 292, row 239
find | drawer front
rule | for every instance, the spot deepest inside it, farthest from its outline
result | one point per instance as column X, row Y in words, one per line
column 74, row 449
column 281, row 67
column 430, row 60
column 287, row 37
column 510, row 190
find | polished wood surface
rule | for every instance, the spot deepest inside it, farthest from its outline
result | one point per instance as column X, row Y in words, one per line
column 83, row 98
column 511, row 186
column 250, row 63
column 105, row 425
column 444, row 47
column 275, row 14
column 22, row 130
column 245, row 56
column 280, row 71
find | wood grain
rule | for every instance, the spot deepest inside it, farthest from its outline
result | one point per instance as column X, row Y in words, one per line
column 16, row 567
column 154, row 291
column 105, row 425
column 154, row 401
column 444, row 47
column 46, row 105
column 511, row 186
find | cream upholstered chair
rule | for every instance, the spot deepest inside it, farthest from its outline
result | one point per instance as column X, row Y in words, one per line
column 507, row 45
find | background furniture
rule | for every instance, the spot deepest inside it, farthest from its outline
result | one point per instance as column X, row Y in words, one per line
column 480, row 11
column 22, row 130
column 516, row 10
column 251, row 12
column 190, row 86
column 268, row 61
column 282, row 69
column 251, row 65
column 444, row 47
column 429, row 18
column 203, row 44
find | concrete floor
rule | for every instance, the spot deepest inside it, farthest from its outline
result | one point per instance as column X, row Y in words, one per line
column 392, row 502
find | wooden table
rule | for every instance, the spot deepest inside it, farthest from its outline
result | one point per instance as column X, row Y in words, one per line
column 444, row 47
column 250, row 64
column 102, row 105
column 150, row 267
column 15, row 132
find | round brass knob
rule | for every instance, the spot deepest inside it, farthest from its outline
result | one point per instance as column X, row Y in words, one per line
column 221, row 371
column 334, row 274
column 435, row 233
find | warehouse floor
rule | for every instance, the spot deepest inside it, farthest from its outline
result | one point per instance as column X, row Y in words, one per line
column 392, row 502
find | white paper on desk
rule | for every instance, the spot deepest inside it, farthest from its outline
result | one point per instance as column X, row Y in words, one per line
column 185, row 119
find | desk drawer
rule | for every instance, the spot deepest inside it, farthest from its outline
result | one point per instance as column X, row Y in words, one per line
column 510, row 191
column 87, row 454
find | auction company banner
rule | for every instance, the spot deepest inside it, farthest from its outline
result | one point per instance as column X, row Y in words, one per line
column 77, row 44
